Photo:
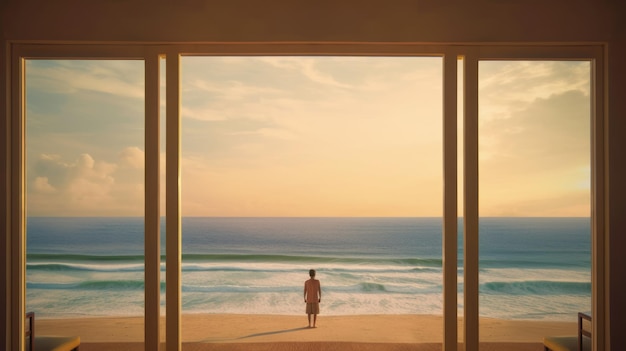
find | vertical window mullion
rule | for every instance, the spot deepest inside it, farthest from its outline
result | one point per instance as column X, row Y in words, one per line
column 450, row 232
column 172, row 207
column 152, row 240
column 17, row 282
column 599, row 171
column 470, row 217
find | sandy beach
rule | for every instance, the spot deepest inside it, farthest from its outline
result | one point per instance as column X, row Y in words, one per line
column 279, row 332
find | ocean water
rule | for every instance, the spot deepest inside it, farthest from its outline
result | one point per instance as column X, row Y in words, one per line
column 530, row 268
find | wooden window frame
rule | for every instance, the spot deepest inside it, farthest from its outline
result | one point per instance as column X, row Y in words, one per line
column 151, row 53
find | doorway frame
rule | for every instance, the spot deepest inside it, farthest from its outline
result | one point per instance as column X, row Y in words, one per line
column 151, row 54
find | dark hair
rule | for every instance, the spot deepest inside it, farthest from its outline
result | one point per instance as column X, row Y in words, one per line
column 312, row 273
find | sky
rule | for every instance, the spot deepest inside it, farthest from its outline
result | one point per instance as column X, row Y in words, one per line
column 307, row 136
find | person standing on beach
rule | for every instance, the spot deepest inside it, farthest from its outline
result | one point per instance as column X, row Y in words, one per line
column 312, row 297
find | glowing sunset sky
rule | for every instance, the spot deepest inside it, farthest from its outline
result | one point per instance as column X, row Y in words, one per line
column 307, row 136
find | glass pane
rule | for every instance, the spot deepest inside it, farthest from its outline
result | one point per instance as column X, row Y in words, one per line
column 535, row 234
column 85, row 195
column 326, row 163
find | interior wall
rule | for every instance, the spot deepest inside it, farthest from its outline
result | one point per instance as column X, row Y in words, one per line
column 554, row 21
column 4, row 230
column 321, row 20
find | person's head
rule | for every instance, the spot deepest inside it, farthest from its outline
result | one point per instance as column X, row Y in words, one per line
column 312, row 273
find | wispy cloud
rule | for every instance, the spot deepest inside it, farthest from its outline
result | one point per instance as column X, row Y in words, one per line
column 73, row 76
column 507, row 86
column 307, row 67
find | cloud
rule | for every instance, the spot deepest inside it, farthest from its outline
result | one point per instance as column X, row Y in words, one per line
column 230, row 90
column 86, row 105
column 83, row 186
column 307, row 67
column 80, row 115
column 42, row 185
column 310, row 70
column 534, row 138
column 547, row 132
column 133, row 157
column 115, row 77
column 508, row 86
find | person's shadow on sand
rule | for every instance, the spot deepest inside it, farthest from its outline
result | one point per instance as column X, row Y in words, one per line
column 272, row 333
column 257, row 335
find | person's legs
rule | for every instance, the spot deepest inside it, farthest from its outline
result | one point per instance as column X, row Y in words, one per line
column 312, row 309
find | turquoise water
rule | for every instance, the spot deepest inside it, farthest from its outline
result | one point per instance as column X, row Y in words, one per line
column 530, row 268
